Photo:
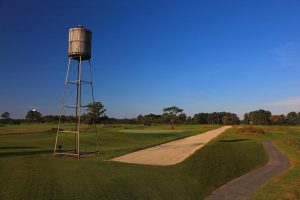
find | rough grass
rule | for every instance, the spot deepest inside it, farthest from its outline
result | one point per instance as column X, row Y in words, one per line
column 286, row 186
column 250, row 130
column 149, row 131
column 30, row 171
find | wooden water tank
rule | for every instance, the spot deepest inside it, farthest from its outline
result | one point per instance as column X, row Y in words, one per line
column 80, row 40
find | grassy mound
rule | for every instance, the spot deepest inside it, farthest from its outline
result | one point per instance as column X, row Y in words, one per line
column 250, row 130
column 31, row 172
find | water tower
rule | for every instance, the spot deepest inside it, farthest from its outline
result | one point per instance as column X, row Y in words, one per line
column 79, row 51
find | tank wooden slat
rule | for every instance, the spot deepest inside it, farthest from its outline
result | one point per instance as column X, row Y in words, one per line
column 79, row 43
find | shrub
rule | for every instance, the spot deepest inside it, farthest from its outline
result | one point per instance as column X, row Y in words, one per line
column 250, row 130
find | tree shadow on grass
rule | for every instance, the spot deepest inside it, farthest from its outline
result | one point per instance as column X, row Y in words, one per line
column 17, row 147
column 233, row 140
column 24, row 153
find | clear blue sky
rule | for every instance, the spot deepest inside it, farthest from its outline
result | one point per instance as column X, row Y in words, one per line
column 203, row 56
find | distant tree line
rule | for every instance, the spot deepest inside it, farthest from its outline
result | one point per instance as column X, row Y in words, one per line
column 200, row 118
column 95, row 112
column 216, row 118
column 264, row 117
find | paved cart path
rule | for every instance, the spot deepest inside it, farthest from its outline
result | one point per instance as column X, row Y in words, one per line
column 172, row 152
column 245, row 186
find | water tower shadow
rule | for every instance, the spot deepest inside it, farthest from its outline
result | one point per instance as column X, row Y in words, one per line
column 24, row 153
column 233, row 140
column 82, row 155
column 18, row 147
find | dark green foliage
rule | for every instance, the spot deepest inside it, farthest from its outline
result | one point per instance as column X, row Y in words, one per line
column 258, row 117
column 200, row 118
column 50, row 118
column 33, row 116
column 170, row 114
column 246, row 119
column 152, row 118
column 181, row 119
column 173, row 110
column 225, row 118
column 94, row 113
column 292, row 118
column 263, row 117
column 230, row 119
column 6, row 117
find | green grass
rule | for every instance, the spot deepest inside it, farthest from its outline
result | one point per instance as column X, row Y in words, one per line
column 29, row 170
column 285, row 186
column 25, row 128
column 149, row 131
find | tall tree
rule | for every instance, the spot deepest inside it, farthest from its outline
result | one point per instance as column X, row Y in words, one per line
column 182, row 118
column 95, row 112
column 260, row 117
column 281, row 120
column 140, row 119
column 292, row 118
column 230, row 119
column 171, row 113
column 6, row 117
column 200, row 118
column 33, row 116
column 246, row 119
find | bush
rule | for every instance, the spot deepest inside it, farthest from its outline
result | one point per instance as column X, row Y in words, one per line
column 250, row 130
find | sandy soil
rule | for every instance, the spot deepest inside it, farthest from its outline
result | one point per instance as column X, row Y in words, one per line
column 172, row 152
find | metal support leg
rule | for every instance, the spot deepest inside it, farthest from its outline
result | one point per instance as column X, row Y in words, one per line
column 78, row 106
column 62, row 106
column 93, row 99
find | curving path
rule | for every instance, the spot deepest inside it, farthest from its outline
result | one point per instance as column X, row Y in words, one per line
column 172, row 152
column 244, row 186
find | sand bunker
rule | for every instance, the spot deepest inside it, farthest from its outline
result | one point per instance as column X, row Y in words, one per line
column 172, row 152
